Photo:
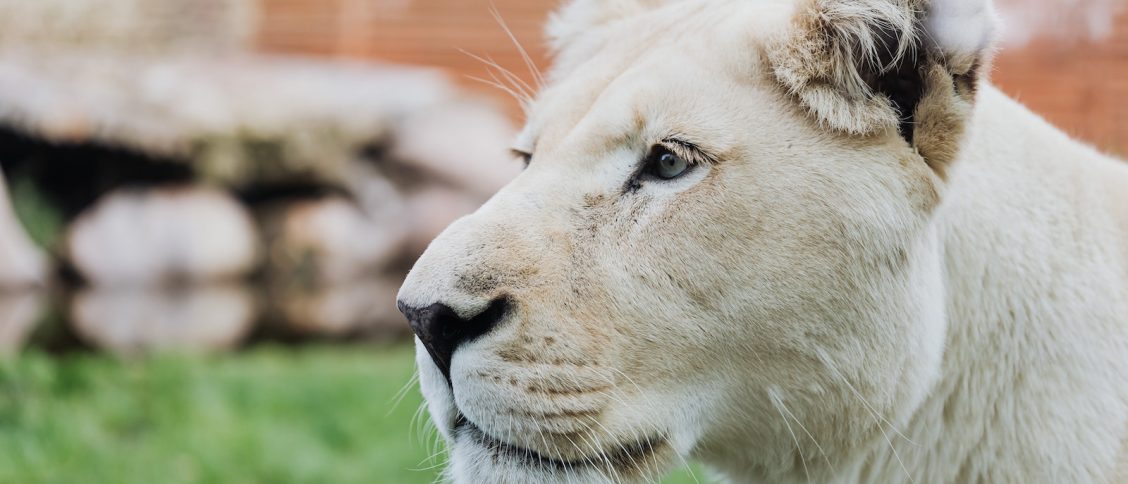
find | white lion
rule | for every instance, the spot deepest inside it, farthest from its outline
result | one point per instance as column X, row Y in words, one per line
column 791, row 241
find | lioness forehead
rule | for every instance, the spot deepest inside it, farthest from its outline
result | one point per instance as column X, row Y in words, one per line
column 653, row 71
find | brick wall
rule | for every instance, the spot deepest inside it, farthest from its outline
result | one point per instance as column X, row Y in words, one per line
column 428, row 32
column 1081, row 86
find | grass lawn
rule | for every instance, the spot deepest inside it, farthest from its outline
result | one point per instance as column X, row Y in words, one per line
column 317, row 414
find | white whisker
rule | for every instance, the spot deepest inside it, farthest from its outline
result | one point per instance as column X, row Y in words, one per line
column 783, row 407
column 803, row 459
column 877, row 418
column 398, row 397
column 502, row 87
column 830, row 365
column 514, row 81
column 529, row 64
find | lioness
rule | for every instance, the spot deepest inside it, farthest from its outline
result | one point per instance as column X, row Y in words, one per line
column 792, row 241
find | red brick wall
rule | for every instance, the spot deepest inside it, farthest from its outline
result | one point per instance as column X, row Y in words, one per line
column 426, row 32
column 1080, row 86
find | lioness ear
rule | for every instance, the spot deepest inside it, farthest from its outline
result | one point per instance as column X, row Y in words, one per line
column 866, row 66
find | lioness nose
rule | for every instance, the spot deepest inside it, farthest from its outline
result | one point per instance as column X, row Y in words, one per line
column 442, row 329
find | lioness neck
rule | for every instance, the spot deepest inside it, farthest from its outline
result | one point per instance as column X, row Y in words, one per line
column 1034, row 229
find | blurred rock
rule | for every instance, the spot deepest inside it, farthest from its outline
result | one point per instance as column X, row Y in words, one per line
column 19, row 312
column 155, row 235
column 21, row 263
column 163, row 26
column 133, row 320
column 430, row 210
column 236, row 118
column 403, row 149
column 365, row 306
column 375, row 192
column 464, row 143
column 328, row 240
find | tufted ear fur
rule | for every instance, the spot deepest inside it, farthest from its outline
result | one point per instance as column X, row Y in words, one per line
column 862, row 67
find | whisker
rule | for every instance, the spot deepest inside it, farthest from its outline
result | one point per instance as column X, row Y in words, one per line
column 416, row 424
column 529, row 64
column 526, row 99
column 877, row 418
column 428, row 468
column 826, row 361
column 648, row 402
column 592, row 443
column 618, row 442
column 515, row 81
column 520, row 101
column 652, row 468
column 783, row 407
column 772, row 396
column 398, row 397
column 434, row 460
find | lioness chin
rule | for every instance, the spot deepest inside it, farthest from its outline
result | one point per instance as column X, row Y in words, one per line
column 793, row 241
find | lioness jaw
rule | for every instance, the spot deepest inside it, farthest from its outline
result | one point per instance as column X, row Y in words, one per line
column 794, row 241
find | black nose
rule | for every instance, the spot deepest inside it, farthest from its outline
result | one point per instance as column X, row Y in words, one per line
column 441, row 329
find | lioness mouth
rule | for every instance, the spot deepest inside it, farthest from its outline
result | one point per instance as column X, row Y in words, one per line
column 625, row 456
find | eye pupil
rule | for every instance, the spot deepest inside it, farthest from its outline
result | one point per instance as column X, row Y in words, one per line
column 667, row 165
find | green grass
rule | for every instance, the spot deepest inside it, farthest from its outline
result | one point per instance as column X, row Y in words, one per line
column 267, row 415
column 42, row 220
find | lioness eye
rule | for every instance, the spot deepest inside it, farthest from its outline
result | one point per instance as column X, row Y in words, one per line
column 666, row 164
column 524, row 156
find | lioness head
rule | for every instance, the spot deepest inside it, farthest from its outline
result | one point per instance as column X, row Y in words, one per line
column 721, row 248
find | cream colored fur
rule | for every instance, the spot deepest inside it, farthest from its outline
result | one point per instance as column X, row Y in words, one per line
column 828, row 301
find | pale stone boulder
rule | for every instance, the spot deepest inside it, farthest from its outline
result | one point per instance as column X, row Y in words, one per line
column 430, row 210
column 19, row 312
column 138, row 320
column 330, row 240
column 364, row 306
column 465, row 144
column 155, row 235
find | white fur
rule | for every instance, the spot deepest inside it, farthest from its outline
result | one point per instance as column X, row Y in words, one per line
column 823, row 304
column 962, row 27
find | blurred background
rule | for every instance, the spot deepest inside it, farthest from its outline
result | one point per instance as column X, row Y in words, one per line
column 206, row 208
